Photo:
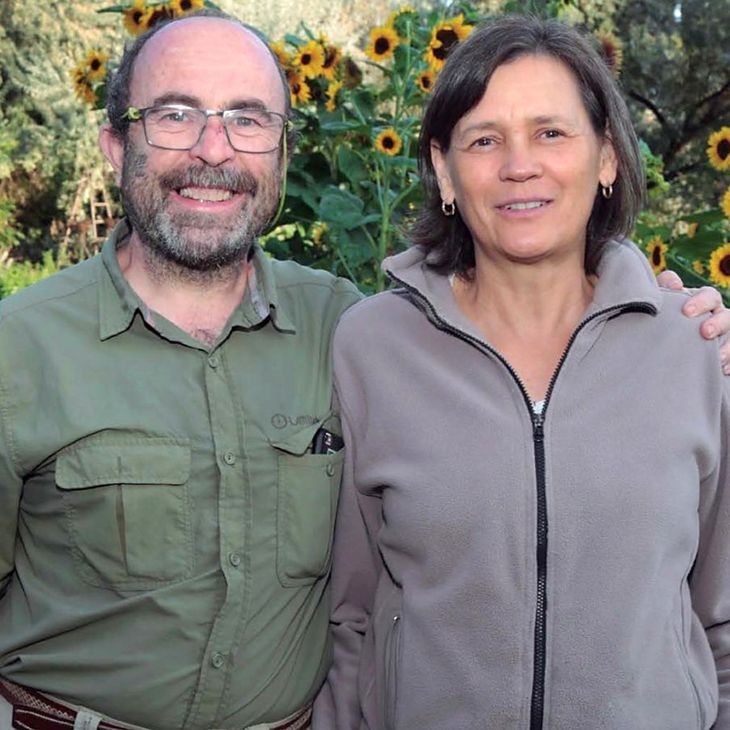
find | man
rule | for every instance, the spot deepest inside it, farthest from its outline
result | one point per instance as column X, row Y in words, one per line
column 169, row 455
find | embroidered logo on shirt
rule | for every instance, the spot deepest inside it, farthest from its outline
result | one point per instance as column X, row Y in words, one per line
column 279, row 420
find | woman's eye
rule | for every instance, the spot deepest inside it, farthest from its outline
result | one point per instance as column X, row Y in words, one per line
column 482, row 142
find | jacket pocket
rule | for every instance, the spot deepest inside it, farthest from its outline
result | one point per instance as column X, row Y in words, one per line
column 306, row 502
column 127, row 512
column 390, row 671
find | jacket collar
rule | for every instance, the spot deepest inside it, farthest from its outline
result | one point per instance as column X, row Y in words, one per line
column 118, row 303
column 625, row 280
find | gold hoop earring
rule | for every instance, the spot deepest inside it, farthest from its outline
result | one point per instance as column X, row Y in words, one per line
column 607, row 191
column 448, row 209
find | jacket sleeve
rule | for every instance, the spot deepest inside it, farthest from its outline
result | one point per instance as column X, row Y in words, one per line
column 355, row 571
column 710, row 579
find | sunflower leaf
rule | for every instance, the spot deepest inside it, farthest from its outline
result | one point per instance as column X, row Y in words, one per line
column 341, row 208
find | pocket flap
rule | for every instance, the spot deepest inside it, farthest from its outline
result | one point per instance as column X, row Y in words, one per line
column 151, row 460
column 298, row 443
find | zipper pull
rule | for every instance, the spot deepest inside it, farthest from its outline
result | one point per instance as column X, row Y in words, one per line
column 537, row 430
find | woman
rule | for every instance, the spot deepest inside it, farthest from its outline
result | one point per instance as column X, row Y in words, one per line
column 533, row 527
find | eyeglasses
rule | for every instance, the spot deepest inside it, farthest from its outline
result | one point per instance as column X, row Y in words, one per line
column 179, row 127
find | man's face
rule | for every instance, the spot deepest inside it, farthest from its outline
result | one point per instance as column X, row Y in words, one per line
column 201, row 209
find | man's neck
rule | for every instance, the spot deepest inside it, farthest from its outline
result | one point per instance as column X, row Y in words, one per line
column 199, row 303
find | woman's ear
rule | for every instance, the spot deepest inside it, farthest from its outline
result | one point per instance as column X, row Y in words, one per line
column 441, row 166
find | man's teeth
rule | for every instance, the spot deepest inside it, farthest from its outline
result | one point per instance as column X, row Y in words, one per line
column 525, row 206
column 214, row 195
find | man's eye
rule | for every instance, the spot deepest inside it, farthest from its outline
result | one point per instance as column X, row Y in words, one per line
column 245, row 121
column 552, row 133
column 172, row 116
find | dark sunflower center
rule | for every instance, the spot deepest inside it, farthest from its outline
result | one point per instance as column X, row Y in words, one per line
column 306, row 59
column 137, row 17
column 329, row 58
column 656, row 256
column 382, row 45
column 388, row 143
column 186, row 5
column 723, row 149
column 95, row 64
column 426, row 82
column 448, row 39
column 725, row 265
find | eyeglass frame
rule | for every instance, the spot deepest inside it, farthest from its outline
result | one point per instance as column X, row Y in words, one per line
column 136, row 114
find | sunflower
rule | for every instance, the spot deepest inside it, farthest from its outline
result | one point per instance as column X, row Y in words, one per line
column 318, row 231
column 383, row 42
column 178, row 8
column 135, row 17
column 96, row 65
column 444, row 37
column 720, row 266
column 698, row 266
column 399, row 18
column 725, row 204
column 718, row 149
column 298, row 87
column 332, row 90
column 692, row 229
column 388, row 142
column 310, row 59
column 612, row 50
column 352, row 73
column 156, row 15
column 657, row 249
column 332, row 58
column 425, row 81
column 282, row 55
column 82, row 88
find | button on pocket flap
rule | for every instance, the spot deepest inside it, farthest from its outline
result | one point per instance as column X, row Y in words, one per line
column 98, row 462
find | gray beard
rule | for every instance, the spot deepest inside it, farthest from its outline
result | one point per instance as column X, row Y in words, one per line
column 191, row 246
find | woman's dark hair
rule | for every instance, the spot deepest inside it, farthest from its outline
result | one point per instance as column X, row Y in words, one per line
column 460, row 87
column 117, row 99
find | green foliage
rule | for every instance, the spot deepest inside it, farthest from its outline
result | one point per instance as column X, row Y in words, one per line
column 18, row 275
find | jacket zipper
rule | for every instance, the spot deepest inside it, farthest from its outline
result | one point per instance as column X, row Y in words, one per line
column 537, row 698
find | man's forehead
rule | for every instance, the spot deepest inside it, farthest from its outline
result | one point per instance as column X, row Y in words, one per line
column 210, row 53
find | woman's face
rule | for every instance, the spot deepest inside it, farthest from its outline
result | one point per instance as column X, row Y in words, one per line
column 524, row 164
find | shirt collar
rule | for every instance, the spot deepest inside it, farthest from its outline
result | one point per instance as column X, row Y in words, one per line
column 118, row 303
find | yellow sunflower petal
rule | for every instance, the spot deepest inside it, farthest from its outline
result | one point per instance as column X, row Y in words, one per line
column 720, row 266
column 444, row 37
column 382, row 45
column 698, row 266
column 718, row 149
column 725, row 205
column 425, row 81
column 388, row 142
column 135, row 17
column 332, row 91
column 656, row 251
column 309, row 60
column 179, row 8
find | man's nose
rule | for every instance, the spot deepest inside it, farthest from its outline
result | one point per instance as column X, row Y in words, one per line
column 213, row 146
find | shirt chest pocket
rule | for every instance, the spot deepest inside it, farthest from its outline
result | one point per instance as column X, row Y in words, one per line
column 127, row 509
column 307, row 491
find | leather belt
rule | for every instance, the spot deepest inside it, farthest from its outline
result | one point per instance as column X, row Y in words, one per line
column 35, row 711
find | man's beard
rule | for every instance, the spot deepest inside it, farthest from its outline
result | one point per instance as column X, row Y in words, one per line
column 190, row 244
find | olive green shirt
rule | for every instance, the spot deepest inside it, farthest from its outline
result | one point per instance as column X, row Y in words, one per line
column 164, row 532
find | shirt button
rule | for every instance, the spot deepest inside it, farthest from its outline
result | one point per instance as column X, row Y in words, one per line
column 213, row 361
column 217, row 660
column 330, row 469
column 234, row 559
column 230, row 458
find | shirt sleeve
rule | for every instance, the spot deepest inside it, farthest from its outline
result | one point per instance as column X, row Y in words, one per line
column 355, row 571
column 710, row 579
column 11, row 486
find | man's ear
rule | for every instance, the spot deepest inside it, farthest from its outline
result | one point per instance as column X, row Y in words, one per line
column 112, row 145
